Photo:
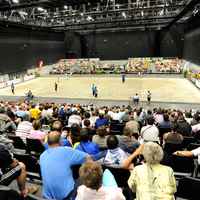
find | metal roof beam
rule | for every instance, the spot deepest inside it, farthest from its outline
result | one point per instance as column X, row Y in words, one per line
column 187, row 9
column 23, row 5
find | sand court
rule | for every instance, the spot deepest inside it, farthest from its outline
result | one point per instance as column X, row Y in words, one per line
column 112, row 88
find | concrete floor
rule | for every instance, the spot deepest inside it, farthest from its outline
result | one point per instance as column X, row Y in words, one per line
column 111, row 88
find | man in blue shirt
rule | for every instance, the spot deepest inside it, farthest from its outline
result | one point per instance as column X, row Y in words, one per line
column 56, row 163
column 86, row 145
column 101, row 121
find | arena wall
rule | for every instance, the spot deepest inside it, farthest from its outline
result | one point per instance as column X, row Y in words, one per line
column 192, row 46
column 24, row 48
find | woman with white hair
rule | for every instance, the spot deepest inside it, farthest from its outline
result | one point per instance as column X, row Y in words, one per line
column 151, row 180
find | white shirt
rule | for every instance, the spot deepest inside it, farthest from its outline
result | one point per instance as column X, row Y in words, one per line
column 196, row 128
column 74, row 119
column 158, row 118
column 196, row 152
column 136, row 97
column 47, row 113
column 93, row 120
column 150, row 133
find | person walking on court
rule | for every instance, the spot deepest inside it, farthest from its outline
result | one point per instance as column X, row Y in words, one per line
column 13, row 88
column 149, row 97
column 95, row 92
column 123, row 78
column 56, row 86
column 93, row 89
column 136, row 99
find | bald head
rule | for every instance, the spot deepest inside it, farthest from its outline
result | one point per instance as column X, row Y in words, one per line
column 54, row 138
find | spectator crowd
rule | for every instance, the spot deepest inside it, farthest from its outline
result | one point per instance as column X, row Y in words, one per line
column 98, row 140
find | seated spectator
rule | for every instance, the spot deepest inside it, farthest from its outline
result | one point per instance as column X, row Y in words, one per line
column 5, row 122
column 196, row 128
column 173, row 137
column 86, row 117
column 62, row 113
column 46, row 114
column 36, row 133
column 165, row 124
column 86, row 145
column 126, row 117
column 75, row 135
column 21, row 112
column 128, row 141
column 133, row 125
column 56, row 163
column 114, row 156
column 184, row 128
column 34, row 112
column 75, row 118
column 150, row 132
column 152, row 180
column 93, row 118
column 24, row 129
column 101, row 137
column 12, row 170
column 196, row 119
column 188, row 117
column 86, row 124
column 101, row 121
column 158, row 116
column 64, row 141
column 91, row 175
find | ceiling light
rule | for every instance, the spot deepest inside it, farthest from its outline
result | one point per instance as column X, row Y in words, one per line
column 65, row 7
column 124, row 14
column 40, row 9
column 15, row 1
column 89, row 18
column 117, row 6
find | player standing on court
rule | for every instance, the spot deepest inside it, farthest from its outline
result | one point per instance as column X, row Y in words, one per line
column 93, row 89
column 13, row 88
column 123, row 78
column 149, row 97
column 56, row 86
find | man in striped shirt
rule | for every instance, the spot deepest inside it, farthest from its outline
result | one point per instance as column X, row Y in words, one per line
column 23, row 130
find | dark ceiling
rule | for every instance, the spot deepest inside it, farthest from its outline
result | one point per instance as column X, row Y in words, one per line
column 98, row 14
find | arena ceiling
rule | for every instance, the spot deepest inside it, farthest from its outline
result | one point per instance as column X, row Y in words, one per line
column 98, row 14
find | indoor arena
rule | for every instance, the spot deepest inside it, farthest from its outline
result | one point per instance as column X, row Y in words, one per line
column 99, row 100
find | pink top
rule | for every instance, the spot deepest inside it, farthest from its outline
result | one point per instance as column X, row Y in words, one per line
column 104, row 193
column 37, row 134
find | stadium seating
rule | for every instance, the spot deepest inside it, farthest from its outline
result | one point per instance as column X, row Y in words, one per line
column 34, row 146
column 7, row 193
column 188, row 188
column 18, row 142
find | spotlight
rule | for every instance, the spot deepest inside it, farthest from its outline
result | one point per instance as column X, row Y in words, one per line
column 124, row 14
column 15, row 1
column 89, row 18
column 40, row 9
